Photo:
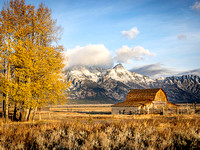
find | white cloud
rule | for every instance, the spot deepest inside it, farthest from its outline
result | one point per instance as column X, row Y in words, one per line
column 98, row 55
column 181, row 37
column 159, row 70
column 155, row 70
column 132, row 33
column 196, row 6
column 90, row 55
column 126, row 54
column 189, row 72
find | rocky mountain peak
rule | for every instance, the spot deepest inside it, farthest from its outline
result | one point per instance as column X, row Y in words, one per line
column 119, row 66
column 114, row 84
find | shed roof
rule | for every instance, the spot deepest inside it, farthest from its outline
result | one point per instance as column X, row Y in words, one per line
column 138, row 97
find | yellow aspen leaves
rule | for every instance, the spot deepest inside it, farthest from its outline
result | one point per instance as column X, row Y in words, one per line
column 30, row 61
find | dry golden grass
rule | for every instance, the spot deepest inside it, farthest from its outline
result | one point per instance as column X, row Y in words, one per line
column 116, row 132
column 74, row 130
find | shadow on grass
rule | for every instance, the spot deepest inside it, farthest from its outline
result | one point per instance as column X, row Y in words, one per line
column 89, row 112
column 94, row 112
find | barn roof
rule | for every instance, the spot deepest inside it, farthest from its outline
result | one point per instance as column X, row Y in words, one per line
column 138, row 97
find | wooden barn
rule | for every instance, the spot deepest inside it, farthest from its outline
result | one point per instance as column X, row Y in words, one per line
column 142, row 101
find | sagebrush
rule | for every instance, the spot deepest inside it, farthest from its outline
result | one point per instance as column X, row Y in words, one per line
column 166, row 133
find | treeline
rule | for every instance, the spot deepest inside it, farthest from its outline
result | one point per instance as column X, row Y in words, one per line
column 31, row 61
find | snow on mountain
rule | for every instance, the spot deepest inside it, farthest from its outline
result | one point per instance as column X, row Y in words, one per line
column 96, row 82
column 83, row 73
column 121, row 74
column 115, row 83
column 118, row 73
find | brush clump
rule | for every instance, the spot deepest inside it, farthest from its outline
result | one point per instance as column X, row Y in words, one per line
column 140, row 133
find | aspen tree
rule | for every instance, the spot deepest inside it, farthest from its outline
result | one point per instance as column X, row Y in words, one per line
column 31, row 61
column 6, row 52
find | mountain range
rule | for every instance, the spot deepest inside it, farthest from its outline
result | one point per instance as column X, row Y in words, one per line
column 112, row 85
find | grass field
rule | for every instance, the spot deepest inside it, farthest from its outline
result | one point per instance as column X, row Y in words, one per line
column 93, row 127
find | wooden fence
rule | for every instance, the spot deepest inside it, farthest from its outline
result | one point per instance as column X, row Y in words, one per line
column 180, row 109
column 190, row 108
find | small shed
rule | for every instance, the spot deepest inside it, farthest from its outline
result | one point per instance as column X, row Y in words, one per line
column 142, row 101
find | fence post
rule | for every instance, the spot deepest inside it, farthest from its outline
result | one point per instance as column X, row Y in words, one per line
column 39, row 115
column 147, row 109
column 153, row 108
column 177, row 110
column 163, row 110
column 49, row 115
column 187, row 108
column 139, row 110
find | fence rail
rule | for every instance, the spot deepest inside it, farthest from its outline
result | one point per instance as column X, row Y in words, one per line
column 164, row 110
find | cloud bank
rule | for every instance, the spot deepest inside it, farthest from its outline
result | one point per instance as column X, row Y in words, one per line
column 127, row 54
column 98, row 55
column 90, row 55
column 158, row 70
column 154, row 70
column 132, row 33
column 188, row 72
column 196, row 6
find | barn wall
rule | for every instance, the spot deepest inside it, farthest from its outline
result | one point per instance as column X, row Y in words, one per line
column 158, row 104
column 160, row 96
column 154, row 108
column 124, row 110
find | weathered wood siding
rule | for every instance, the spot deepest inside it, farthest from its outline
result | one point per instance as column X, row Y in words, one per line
column 155, row 106
column 158, row 104
column 160, row 96
column 135, row 110
column 124, row 110
column 140, row 101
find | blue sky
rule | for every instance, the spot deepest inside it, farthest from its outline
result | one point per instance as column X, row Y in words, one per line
column 163, row 34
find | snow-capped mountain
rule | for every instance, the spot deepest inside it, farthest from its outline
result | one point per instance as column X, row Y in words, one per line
column 114, row 84
column 83, row 73
column 119, row 73
column 185, row 88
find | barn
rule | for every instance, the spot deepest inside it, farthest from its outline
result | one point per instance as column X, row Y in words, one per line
column 142, row 101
